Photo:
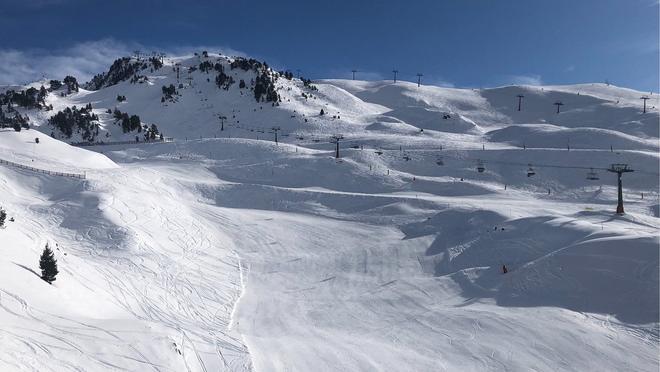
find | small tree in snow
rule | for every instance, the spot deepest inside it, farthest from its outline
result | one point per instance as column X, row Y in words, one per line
column 3, row 216
column 48, row 265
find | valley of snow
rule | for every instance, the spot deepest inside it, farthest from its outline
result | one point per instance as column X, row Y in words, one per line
column 225, row 251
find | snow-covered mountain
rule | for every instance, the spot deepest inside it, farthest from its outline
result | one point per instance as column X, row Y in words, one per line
column 220, row 249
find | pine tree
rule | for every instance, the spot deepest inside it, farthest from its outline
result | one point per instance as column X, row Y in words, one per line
column 322, row 112
column 55, row 84
column 48, row 265
column 135, row 123
column 3, row 216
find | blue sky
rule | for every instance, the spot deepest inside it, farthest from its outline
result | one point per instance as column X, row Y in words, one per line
column 469, row 43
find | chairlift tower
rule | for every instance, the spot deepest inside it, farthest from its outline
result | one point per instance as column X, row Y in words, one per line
column 419, row 79
column 222, row 122
column 520, row 97
column 275, row 130
column 354, row 71
column 620, row 169
column 335, row 139
column 558, row 104
column 395, row 72
column 644, row 98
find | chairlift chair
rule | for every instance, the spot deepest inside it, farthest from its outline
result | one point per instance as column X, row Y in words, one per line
column 592, row 176
column 440, row 161
column 530, row 171
column 480, row 166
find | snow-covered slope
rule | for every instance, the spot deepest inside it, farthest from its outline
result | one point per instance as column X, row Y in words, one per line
column 233, row 252
column 48, row 153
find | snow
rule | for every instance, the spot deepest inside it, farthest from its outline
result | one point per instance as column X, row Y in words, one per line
column 231, row 252
column 22, row 148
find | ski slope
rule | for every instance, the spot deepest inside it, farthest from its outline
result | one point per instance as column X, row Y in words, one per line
column 224, row 251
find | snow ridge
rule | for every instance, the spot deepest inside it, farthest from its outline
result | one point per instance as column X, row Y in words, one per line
column 223, row 250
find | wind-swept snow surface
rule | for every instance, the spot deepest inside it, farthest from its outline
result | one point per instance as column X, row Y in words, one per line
column 230, row 252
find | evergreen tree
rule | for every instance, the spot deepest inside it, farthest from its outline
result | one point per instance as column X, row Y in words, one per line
column 168, row 93
column 41, row 97
column 71, row 84
column 152, row 132
column 322, row 112
column 3, row 216
column 135, row 123
column 55, row 84
column 48, row 265
column 71, row 119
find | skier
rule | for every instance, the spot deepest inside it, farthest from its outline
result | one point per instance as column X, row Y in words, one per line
column 504, row 269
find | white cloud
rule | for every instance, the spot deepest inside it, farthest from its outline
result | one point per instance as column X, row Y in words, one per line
column 525, row 79
column 441, row 83
column 82, row 60
column 368, row 75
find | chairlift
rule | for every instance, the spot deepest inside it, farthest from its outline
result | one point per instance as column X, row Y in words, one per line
column 480, row 166
column 530, row 171
column 592, row 176
column 440, row 161
column 406, row 157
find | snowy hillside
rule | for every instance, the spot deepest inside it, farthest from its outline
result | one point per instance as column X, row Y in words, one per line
column 221, row 249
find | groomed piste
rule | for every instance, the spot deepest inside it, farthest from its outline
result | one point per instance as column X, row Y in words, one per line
column 224, row 250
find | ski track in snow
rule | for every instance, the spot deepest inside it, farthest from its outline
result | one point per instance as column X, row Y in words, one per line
column 236, row 254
